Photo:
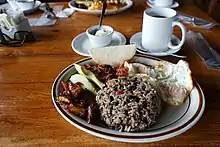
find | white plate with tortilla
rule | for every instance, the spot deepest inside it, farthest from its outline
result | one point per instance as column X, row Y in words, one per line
column 81, row 44
column 171, row 122
column 129, row 4
column 136, row 39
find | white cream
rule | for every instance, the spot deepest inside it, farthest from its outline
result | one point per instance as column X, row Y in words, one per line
column 102, row 32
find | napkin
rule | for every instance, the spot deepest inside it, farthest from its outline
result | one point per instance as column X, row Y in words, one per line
column 200, row 45
column 11, row 14
column 13, row 5
column 65, row 13
column 4, row 21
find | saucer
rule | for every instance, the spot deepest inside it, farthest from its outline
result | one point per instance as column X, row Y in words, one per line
column 36, row 6
column 81, row 44
column 136, row 39
column 26, row 11
column 174, row 5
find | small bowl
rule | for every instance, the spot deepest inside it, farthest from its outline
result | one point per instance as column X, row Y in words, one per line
column 25, row 4
column 99, row 41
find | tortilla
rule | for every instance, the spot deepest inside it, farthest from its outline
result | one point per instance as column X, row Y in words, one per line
column 112, row 55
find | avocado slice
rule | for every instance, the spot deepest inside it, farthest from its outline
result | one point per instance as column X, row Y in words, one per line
column 86, row 83
column 88, row 74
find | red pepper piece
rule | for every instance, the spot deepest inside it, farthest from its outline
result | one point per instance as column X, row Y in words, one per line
column 122, row 71
column 119, row 92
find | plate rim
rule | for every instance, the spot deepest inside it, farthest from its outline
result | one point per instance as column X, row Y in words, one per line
column 84, row 33
column 135, row 139
column 36, row 6
column 108, row 12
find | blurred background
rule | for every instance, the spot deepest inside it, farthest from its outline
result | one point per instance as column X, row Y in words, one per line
column 211, row 7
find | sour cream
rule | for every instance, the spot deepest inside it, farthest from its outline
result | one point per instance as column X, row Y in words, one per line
column 102, row 32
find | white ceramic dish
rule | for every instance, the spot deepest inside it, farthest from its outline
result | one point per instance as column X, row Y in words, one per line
column 36, row 6
column 81, row 43
column 25, row 5
column 172, row 121
column 107, row 12
column 26, row 11
column 99, row 41
column 136, row 39
column 174, row 5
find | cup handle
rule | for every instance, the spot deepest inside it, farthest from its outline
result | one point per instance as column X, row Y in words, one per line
column 152, row 1
column 183, row 30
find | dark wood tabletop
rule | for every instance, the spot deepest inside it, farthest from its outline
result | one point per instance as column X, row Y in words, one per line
column 27, row 114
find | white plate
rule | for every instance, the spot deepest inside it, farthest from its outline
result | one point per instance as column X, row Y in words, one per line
column 80, row 44
column 28, row 11
column 128, row 2
column 174, row 5
column 136, row 39
column 172, row 121
column 36, row 6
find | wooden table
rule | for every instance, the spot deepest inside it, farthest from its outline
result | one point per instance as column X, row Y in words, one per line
column 27, row 115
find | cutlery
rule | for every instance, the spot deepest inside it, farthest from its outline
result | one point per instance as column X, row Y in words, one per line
column 104, row 6
column 49, row 11
column 202, row 48
column 207, row 53
column 178, row 56
column 196, row 21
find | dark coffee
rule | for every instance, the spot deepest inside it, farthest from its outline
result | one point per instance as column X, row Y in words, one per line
column 158, row 16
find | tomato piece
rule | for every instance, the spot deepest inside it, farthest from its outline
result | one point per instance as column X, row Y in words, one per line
column 119, row 92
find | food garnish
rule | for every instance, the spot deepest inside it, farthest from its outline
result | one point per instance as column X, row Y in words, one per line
column 88, row 74
column 86, row 84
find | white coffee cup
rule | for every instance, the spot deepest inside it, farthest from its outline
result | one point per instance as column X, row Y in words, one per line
column 157, row 29
column 161, row 3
